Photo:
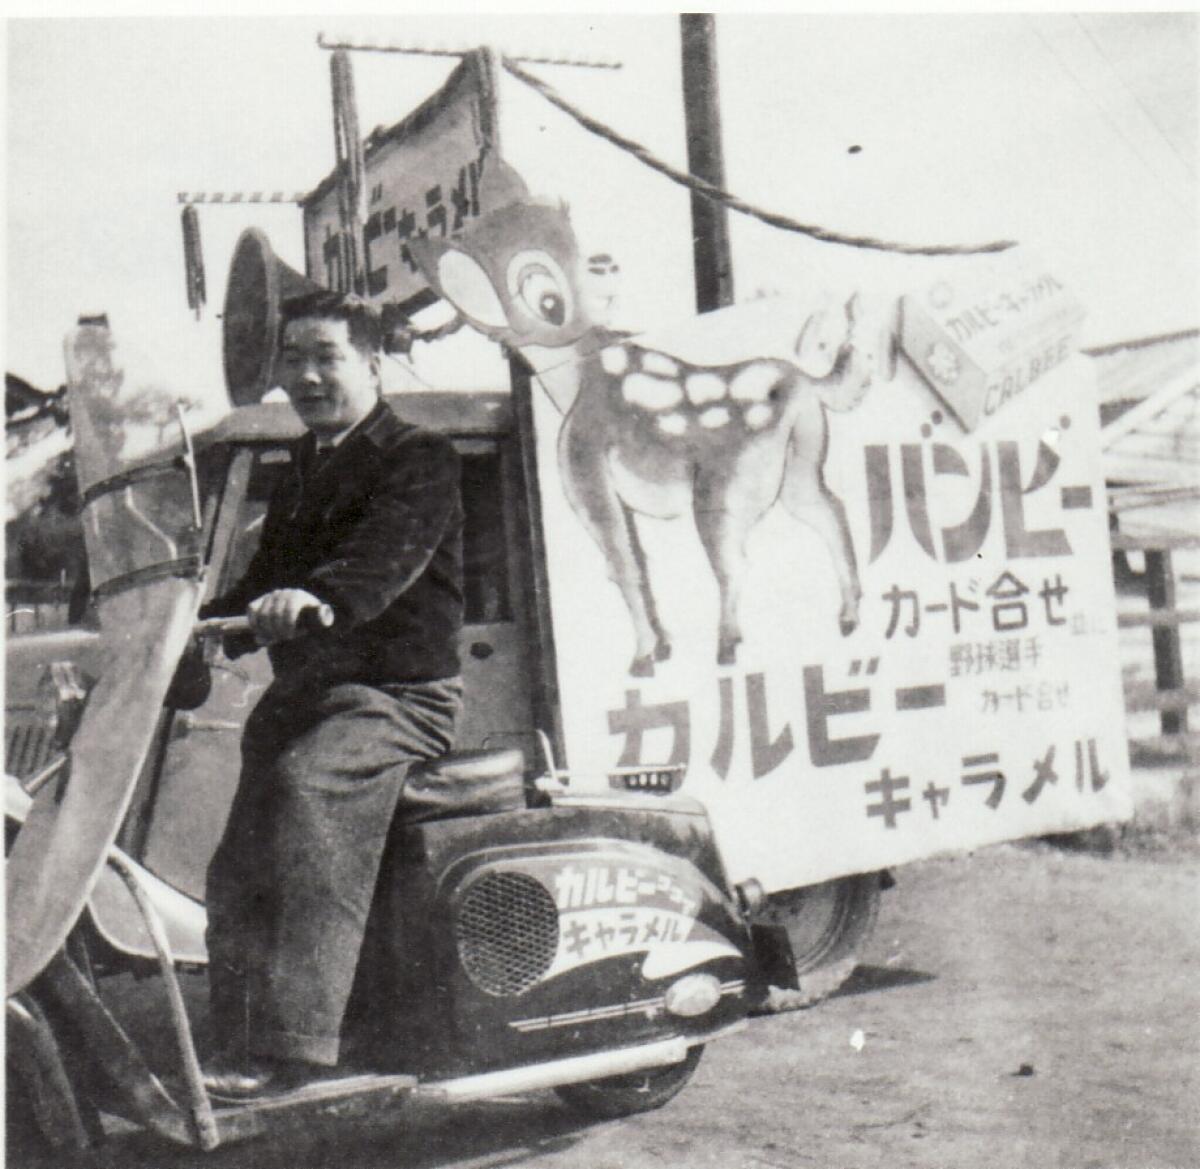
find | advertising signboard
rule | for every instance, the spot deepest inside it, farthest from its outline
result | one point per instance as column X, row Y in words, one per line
column 801, row 592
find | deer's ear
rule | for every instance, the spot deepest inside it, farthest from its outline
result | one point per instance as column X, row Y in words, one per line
column 821, row 338
column 469, row 288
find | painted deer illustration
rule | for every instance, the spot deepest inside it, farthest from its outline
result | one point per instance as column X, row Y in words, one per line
column 648, row 434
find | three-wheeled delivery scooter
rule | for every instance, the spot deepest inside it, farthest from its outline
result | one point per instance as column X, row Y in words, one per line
column 534, row 937
column 753, row 611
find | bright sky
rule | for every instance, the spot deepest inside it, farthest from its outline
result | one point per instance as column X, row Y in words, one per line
column 1076, row 135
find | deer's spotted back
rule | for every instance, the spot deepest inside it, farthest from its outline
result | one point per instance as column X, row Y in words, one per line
column 681, row 400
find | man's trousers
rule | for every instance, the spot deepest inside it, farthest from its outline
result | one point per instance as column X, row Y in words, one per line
column 290, row 885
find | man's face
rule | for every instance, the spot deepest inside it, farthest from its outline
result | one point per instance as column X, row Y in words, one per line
column 331, row 384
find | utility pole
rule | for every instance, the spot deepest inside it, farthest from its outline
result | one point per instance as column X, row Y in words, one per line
column 702, row 119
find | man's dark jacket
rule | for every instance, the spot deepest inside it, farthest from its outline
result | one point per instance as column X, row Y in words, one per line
column 375, row 531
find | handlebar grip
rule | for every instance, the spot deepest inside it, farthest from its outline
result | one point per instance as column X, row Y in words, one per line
column 221, row 626
column 312, row 620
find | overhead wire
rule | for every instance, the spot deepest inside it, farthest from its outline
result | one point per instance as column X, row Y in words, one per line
column 1188, row 163
column 1120, row 131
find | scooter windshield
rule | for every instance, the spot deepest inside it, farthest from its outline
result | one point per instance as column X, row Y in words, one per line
column 132, row 459
column 143, row 537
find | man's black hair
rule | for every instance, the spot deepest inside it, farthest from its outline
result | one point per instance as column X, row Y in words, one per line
column 327, row 304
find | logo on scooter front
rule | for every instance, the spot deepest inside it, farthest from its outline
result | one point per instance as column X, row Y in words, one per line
column 585, row 886
column 610, row 910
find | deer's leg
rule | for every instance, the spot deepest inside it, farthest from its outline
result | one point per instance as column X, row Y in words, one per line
column 809, row 500
column 723, row 534
column 730, row 497
column 662, row 642
column 589, row 489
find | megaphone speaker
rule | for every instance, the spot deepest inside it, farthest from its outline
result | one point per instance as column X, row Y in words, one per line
column 259, row 282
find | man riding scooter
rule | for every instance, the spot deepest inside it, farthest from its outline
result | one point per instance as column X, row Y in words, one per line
column 367, row 528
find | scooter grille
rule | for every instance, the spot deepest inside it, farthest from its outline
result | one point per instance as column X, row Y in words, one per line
column 507, row 932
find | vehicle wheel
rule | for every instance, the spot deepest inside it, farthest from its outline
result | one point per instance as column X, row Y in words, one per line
column 827, row 926
column 643, row 1091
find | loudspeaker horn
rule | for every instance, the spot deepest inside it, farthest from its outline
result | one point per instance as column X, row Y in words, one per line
column 259, row 282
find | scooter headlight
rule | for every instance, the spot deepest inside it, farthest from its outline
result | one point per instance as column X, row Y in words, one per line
column 692, row 995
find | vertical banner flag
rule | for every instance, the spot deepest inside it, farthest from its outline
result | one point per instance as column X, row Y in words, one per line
column 430, row 174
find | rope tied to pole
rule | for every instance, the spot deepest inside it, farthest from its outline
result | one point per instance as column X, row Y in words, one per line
column 709, row 191
column 193, row 260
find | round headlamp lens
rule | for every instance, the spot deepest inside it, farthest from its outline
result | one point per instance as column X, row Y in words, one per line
column 692, row 995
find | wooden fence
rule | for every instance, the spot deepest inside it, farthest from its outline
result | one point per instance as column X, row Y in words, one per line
column 1171, row 693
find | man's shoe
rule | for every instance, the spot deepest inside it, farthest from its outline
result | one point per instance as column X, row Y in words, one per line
column 243, row 1081
column 252, row 1078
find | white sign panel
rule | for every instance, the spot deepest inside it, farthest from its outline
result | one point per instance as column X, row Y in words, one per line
column 977, row 698
column 801, row 592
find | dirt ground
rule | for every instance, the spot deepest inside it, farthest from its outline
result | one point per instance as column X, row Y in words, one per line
column 1022, row 1006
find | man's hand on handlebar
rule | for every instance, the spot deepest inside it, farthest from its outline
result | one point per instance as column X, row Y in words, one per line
column 286, row 613
column 293, row 611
